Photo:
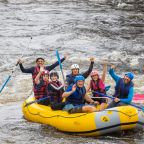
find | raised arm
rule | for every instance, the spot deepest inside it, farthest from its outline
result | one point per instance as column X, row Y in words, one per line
column 104, row 72
column 37, row 79
column 87, row 73
column 51, row 67
column 24, row 70
column 28, row 70
column 70, row 91
column 88, row 87
column 112, row 74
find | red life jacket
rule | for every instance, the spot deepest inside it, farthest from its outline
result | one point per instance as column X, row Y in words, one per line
column 36, row 71
column 97, row 86
column 40, row 90
column 55, row 95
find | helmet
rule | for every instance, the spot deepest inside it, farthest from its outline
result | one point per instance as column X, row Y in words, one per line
column 54, row 74
column 45, row 72
column 77, row 78
column 74, row 66
column 94, row 72
column 130, row 75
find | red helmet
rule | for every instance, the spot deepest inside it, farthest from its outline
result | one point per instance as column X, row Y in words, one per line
column 45, row 72
column 94, row 72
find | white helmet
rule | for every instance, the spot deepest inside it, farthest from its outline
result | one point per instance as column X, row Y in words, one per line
column 74, row 66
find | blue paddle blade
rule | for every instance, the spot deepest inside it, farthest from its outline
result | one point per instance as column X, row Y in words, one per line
column 4, row 84
column 107, row 88
column 58, row 57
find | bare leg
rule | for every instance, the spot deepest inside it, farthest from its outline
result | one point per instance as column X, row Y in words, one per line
column 89, row 109
column 102, row 106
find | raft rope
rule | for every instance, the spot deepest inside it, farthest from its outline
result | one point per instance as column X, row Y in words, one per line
column 78, row 115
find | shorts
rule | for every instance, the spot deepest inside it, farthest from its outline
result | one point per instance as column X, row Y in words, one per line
column 73, row 109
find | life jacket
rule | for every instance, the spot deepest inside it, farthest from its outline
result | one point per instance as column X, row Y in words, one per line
column 97, row 87
column 77, row 97
column 70, row 78
column 40, row 90
column 55, row 95
column 122, row 89
column 36, row 71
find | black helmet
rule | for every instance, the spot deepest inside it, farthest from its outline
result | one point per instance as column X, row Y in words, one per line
column 54, row 74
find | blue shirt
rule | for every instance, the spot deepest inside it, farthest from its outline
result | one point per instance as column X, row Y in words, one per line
column 131, row 90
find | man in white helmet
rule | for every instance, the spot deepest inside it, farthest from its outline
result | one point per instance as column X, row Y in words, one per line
column 75, row 71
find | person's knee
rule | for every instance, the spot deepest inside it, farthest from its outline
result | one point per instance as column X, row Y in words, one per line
column 88, row 109
column 103, row 106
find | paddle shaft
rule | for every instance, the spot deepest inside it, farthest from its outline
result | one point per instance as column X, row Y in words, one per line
column 7, row 80
column 58, row 57
column 9, row 77
column 98, row 97
column 36, row 101
column 4, row 84
column 111, row 97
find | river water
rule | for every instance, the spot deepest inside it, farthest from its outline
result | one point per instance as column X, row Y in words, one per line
column 104, row 29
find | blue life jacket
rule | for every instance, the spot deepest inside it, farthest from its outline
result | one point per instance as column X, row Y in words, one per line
column 122, row 89
column 77, row 97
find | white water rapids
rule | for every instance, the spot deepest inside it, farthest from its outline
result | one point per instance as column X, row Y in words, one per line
column 104, row 29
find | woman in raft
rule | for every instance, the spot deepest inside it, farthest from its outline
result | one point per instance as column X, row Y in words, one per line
column 96, row 84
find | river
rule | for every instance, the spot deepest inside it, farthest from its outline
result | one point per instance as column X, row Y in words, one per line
column 110, row 30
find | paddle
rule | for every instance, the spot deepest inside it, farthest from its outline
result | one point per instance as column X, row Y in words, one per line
column 36, row 101
column 107, row 88
column 7, row 80
column 58, row 57
column 111, row 97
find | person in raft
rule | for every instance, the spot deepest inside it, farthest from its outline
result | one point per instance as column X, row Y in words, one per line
column 55, row 90
column 96, row 84
column 75, row 97
column 75, row 71
column 35, row 69
column 51, row 89
column 40, row 86
column 124, row 89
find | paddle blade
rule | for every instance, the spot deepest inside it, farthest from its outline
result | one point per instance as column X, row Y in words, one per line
column 58, row 57
column 4, row 84
column 107, row 88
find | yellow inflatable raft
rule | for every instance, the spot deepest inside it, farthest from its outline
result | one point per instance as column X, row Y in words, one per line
column 87, row 124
